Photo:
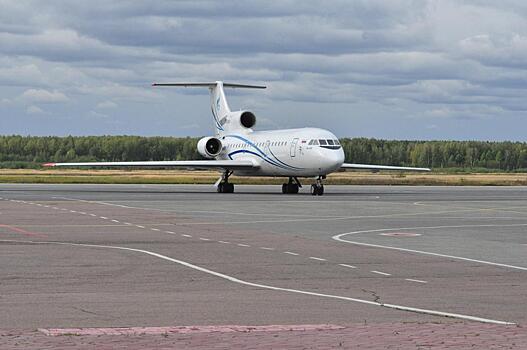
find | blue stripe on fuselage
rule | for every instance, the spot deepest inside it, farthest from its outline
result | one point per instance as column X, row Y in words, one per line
column 256, row 154
column 265, row 156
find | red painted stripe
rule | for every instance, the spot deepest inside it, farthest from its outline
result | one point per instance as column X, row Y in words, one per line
column 185, row 329
column 23, row 232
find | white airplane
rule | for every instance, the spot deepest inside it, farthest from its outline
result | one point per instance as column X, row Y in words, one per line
column 237, row 149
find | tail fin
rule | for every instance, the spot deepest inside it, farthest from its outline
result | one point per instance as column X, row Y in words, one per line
column 218, row 103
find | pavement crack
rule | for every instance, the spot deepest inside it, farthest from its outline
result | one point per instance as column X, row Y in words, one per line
column 92, row 312
column 376, row 298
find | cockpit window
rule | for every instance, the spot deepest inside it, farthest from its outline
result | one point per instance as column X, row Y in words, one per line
column 330, row 142
column 322, row 142
column 336, row 142
column 310, row 143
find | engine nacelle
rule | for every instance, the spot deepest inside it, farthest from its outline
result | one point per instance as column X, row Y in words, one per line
column 209, row 147
column 240, row 119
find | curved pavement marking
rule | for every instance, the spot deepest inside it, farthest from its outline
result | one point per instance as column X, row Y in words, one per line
column 206, row 239
column 264, row 286
column 340, row 239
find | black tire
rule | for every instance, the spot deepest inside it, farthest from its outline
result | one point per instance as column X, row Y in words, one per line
column 220, row 187
column 284, row 188
column 321, row 190
column 229, row 188
column 293, row 188
column 314, row 190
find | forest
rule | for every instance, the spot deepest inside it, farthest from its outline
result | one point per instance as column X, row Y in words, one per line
column 31, row 151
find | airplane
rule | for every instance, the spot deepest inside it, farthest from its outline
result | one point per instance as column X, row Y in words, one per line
column 237, row 149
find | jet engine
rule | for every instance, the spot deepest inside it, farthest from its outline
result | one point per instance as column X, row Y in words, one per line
column 243, row 119
column 209, row 147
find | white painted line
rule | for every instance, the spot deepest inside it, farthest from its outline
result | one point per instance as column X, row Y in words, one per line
column 204, row 239
column 170, row 232
column 188, row 236
column 350, row 266
column 72, row 211
column 81, row 212
column 55, row 208
column 139, row 226
column 291, row 253
column 340, row 239
column 115, row 220
column 266, row 248
column 315, row 258
column 282, row 289
column 93, row 215
column 155, row 229
column 242, row 245
column 103, row 217
column 414, row 280
column 126, row 223
column 381, row 273
column 64, row 209
column 39, row 204
column 224, row 242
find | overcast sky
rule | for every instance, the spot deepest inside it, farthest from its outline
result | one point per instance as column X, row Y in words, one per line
column 393, row 69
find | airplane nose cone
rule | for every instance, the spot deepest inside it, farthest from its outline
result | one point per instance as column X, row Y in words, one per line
column 332, row 159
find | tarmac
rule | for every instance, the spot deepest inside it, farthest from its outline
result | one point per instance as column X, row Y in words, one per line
column 163, row 259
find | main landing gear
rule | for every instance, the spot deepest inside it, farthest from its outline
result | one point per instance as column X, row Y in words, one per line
column 292, row 186
column 224, row 186
column 317, row 189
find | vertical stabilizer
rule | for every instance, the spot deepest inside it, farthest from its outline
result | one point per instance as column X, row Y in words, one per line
column 219, row 106
column 218, row 103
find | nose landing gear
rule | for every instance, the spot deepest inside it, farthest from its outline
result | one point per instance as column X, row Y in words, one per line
column 317, row 189
column 224, row 186
column 292, row 186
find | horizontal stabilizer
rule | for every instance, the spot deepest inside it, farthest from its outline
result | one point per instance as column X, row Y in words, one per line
column 213, row 84
column 380, row 167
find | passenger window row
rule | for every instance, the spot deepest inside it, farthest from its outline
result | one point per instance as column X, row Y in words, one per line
column 259, row 144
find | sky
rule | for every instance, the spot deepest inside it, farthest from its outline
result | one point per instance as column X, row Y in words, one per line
column 398, row 69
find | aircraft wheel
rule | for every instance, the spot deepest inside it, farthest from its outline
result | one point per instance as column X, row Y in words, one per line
column 320, row 190
column 220, row 187
column 284, row 188
column 293, row 188
column 228, row 188
column 314, row 190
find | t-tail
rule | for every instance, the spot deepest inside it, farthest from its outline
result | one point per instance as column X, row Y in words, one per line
column 225, row 121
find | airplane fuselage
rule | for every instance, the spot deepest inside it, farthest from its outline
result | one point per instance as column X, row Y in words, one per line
column 288, row 152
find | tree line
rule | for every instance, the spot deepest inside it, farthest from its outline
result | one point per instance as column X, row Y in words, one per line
column 30, row 151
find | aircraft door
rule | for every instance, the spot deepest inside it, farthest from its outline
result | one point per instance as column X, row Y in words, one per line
column 293, row 147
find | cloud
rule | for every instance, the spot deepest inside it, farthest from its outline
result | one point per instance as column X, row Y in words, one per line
column 34, row 110
column 106, row 105
column 363, row 59
column 44, row 96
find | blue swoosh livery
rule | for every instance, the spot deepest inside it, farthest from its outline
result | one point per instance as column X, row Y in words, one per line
column 273, row 161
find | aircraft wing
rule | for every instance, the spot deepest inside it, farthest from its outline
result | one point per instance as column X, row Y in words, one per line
column 190, row 164
column 380, row 167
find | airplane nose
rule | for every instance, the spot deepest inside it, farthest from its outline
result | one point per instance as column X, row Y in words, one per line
column 333, row 159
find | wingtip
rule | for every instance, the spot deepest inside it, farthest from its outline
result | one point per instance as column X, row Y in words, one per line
column 47, row 165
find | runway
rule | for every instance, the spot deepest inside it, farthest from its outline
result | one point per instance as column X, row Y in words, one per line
column 161, row 255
